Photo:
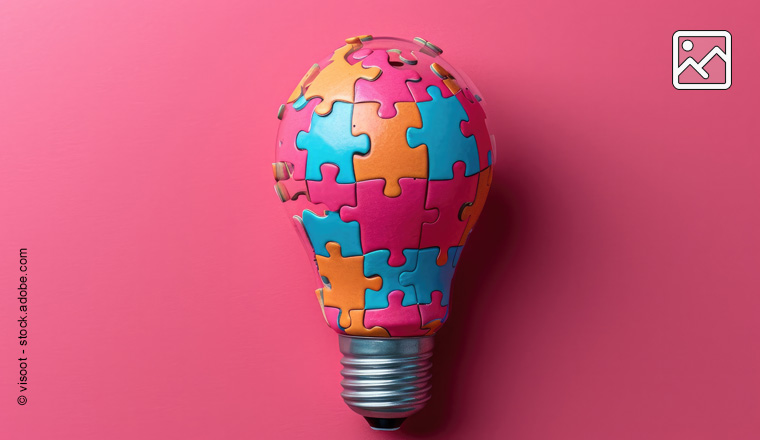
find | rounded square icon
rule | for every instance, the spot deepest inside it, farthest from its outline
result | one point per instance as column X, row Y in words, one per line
column 702, row 60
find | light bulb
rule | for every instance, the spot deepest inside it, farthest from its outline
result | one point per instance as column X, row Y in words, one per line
column 384, row 162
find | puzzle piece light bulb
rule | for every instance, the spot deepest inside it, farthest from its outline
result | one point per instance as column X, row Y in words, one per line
column 384, row 161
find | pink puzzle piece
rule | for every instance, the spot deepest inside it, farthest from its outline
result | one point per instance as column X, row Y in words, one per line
column 389, row 88
column 385, row 221
column 397, row 319
column 293, row 122
column 476, row 125
column 333, row 195
column 448, row 196
column 332, row 314
column 428, row 78
column 434, row 310
column 359, row 55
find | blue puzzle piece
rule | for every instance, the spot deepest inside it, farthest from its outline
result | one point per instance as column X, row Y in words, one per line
column 329, row 140
column 331, row 228
column 376, row 263
column 428, row 276
column 300, row 103
column 444, row 139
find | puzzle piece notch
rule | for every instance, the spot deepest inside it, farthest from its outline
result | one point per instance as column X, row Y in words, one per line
column 428, row 277
column 476, row 126
column 293, row 122
column 397, row 319
column 390, row 157
column 328, row 191
column 332, row 316
column 358, row 328
column 448, row 197
column 379, row 216
column 441, row 133
column 397, row 57
column 330, row 140
column 388, row 88
column 331, row 228
column 376, row 263
column 347, row 282
column 336, row 81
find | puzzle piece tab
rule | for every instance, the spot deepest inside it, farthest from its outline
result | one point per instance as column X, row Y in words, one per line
column 428, row 276
column 328, row 191
column 376, row 263
column 443, row 136
column 398, row 319
column 347, row 282
column 434, row 314
column 381, row 217
column 447, row 196
column 336, row 81
column 390, row 156
column 358, row 328
column 389, row 88
column 331, row 228
column 330, row 141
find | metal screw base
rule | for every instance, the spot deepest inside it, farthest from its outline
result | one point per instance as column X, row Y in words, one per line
column 386, row 379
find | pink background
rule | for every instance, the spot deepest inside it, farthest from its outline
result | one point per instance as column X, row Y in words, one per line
column 609, row 292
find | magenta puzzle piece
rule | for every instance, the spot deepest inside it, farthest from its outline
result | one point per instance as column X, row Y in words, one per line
column 434, row 310
column 448, row 196
column 292, row 123
column 334, row 195
column 381, row 217
column 387, row 89
column 332, row 314
column 476, row 125
column 397, row 319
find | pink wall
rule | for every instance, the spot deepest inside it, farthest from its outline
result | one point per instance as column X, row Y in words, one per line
column 620, row 245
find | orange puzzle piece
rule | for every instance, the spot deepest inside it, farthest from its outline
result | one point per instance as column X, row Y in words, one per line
column 347, row 282
column 336, row 81
column 357, row 326
column 471, row 211
column 390, row 157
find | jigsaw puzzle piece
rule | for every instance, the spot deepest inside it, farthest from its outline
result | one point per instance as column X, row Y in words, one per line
column 332, row 316
column 345, row 282
column 428, row 276
column 447, row 196
column 294, row 121
column 390, row 156
column 428, row 48
column 428, row 78
column 388, row 88
column 434, row 314
column 380, row 217
column 476, row 126
column 330, row 228
column 336, row 81
column 376, row 263
column 442, row 134
column 358, row 328
column 334, row 195
column 471, row 212
column 398, row 319
column 330, row 141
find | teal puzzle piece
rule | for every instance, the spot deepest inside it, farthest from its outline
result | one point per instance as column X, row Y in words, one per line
column 441, row 119
column 329, row 140
column 428, row 276
column 331, row 228
column 376, row 263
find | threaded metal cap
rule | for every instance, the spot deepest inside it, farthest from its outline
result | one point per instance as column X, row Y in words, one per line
column 386, row 379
